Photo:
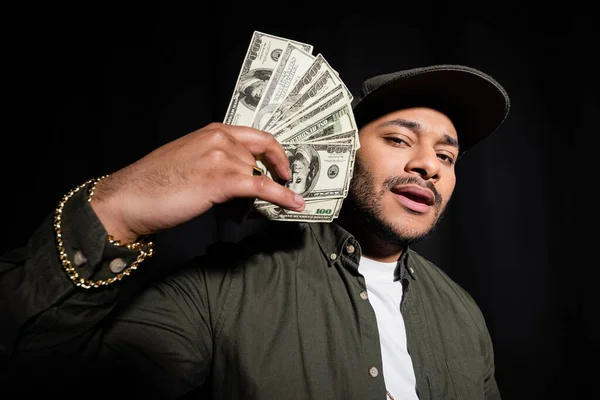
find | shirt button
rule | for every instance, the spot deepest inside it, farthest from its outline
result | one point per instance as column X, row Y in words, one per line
column 79, row 259
column 363, row 295
column 117, row 265
column 350, row 249
column 333, row 256
column 373, row 371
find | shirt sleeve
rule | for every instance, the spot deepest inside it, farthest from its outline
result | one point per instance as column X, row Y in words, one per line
column 56, row 333
column 167, row 333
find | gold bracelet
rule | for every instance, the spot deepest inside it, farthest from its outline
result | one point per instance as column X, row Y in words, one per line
column 146, row 250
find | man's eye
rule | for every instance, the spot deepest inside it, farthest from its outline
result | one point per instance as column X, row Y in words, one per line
column 446, row 158
column 395, row 140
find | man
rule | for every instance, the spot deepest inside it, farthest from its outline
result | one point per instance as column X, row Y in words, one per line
column 341, row 310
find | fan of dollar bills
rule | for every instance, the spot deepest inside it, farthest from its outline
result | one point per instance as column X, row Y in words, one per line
column 284, row 89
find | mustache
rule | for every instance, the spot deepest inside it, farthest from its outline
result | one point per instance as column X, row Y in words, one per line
column 411, row 180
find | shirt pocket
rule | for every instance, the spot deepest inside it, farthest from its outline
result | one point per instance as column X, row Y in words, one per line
column 466, row 374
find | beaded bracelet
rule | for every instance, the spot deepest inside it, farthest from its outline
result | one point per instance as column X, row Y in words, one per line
column 146, row 249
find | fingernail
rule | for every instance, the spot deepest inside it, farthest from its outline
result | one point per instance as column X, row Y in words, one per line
column 298, row 199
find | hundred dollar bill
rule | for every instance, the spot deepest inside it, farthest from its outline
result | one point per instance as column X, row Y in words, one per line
column 344, row 137
column 333, row 101
column 330, row 122
column 292, row 64
column 325, row 210
column 261, row 57
column 319, row 78
column 298, row 112
column 321, row 89
column 319, row 170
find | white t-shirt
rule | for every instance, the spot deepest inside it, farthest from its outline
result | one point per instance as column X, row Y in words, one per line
column 385, row 295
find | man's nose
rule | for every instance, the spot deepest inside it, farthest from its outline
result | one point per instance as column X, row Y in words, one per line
column 425, row 163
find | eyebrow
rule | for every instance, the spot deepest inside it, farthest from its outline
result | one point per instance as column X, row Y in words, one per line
column 417, row 128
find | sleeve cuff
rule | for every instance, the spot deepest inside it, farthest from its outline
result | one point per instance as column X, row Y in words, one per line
column 86, row 241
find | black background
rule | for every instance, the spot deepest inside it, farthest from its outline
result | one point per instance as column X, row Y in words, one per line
column 88, row 91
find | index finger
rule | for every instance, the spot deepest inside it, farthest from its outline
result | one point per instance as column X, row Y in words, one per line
column 261, row 143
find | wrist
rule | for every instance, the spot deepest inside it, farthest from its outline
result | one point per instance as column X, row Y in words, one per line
column 105, row 207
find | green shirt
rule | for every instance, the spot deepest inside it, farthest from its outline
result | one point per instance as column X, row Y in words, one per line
column 280, row 315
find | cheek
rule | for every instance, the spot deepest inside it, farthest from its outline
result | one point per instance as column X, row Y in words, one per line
column 446, row 188
column 369, row 178
column 379, row 166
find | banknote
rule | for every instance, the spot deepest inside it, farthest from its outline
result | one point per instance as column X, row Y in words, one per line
column 292, row 64
column 324, row 123
column 319, row 170
column 299, row 111
column 261, row 58
column 318, row 79
column 347, row 137
column 316, row 115
column 303, row 102
column 325, row 210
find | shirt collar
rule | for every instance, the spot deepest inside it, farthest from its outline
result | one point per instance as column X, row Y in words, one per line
column 334, row 241
column 331, row 238
column 405, row 265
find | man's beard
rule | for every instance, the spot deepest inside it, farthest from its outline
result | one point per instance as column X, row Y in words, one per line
column 364, row 207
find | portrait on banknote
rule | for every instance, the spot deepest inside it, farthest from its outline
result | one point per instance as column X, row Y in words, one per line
column 252, row 85
column 305, row 166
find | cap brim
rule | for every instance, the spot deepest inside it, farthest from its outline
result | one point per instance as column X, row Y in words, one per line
column 475, row 102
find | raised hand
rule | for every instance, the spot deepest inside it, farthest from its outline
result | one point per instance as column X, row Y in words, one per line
column 186, row 177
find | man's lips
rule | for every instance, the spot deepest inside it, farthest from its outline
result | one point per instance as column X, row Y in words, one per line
column 414, row 197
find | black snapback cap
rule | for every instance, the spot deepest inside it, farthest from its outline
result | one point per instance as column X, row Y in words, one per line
column 475, row 102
